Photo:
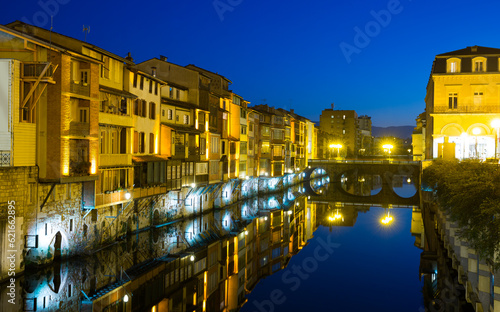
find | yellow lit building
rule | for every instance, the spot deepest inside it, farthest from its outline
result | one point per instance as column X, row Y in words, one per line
column 462, row 102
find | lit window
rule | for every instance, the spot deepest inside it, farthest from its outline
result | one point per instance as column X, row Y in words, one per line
column 169, row 114
column 453, row 67
column 186, row 119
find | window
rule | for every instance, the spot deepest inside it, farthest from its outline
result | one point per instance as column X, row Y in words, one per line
column 251, row 127
column 171, row 92
column 102, row 146
column 452, row 100
column 177, row 94
column 214, row 148
column 150, row 86
column 152, row 110
column 105, row 67
column 223, row 147
column 343, row 131
column 343, row 117
column 479, row 66
column 156, row 88
column 203, row 146
column 332, row 116
column 144, row 108
column 142, row 83
column 163, row 113
column 277, row 151
column 265, row 148
column 453, row 67
column 478, row 98
column 84, row 115
column 243, row 148
column 151, row 143
column 169, row 114
column 243, row 113
column 136, row 142
column 84, row 77
column 186, row 119
column 136, row 107
column 142, row 148
column 135, row 80
column 243, row 129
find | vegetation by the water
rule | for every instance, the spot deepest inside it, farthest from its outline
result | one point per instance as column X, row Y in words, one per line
column 469, row 191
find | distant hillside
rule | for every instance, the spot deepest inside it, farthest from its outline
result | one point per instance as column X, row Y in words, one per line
column 402, row 132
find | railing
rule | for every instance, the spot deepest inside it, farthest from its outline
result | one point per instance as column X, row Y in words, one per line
column 180, row 149
column 79, row 128
column 194, row 151
column 4, row 158
column 468, row 109
column 357, row 161
column 80, row 89
column 79, row 168
column 35, row 69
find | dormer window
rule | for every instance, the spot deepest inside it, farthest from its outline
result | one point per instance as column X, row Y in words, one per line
column 479, row 64
column 453, row 65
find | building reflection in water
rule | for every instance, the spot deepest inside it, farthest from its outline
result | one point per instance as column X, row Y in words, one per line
column 207, row 263
column 211, row 262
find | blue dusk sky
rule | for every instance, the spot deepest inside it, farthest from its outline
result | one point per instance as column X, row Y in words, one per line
column 371, row 56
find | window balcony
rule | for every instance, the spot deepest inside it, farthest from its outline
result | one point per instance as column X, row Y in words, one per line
column 79, row 129
column 180, row 150
column 80, row 88
column 479, row 108
column 34, row 70
column 79, row 168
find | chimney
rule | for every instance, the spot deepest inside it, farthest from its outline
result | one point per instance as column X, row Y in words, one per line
column 153, row 71
column 292, row 111
column 332, row 106
column 129, row 57
column 163, row 58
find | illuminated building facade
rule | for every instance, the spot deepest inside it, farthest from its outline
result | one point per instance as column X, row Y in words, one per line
column 462, row 104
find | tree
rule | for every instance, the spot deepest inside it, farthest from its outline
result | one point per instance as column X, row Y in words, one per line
column 469, row 191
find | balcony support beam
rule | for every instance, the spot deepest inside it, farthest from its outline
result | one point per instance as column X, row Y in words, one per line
column 35, row 85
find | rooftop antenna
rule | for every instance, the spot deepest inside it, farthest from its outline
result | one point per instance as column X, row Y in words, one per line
column 86, row 30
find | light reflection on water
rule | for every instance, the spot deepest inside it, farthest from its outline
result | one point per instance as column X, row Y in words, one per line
column 304, row 253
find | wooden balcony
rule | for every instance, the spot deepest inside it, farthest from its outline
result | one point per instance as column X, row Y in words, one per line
column 79, row 129
column 108, row 160
column 38, row 70
column 110, row 198
column 149, row 191
column 80, row 88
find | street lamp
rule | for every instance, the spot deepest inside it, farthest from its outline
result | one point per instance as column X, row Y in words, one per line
column 388, row 147
column 495, row 123
column 338, row 147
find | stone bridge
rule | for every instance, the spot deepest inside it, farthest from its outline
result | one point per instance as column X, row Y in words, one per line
column 387, row 170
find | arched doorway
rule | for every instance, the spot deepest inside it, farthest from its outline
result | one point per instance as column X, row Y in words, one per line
column 57, row 246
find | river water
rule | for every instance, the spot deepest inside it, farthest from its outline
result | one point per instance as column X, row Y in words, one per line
column 299, row 250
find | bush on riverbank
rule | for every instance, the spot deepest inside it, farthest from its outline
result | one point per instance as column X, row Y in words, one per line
column 469, row 191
